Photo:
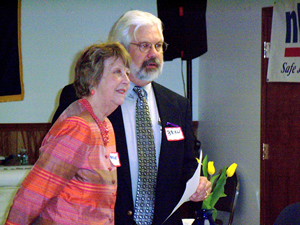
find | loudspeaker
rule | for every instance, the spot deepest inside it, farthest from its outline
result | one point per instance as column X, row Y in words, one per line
column 184, row 24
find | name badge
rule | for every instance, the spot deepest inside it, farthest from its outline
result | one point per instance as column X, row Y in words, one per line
column 174, row 133
column 114, row 158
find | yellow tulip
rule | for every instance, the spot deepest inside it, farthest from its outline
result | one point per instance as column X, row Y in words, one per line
column 211, row 168
column 231, row 170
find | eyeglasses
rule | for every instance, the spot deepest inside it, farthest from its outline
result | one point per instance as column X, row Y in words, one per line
column 146, row 46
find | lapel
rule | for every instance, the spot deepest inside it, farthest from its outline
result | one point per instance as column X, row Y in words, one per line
column 124, row 180
column 171, row 153
column 169, row 111
column 164, row 104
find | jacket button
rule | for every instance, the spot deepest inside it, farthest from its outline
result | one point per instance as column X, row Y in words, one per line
column 129, row 213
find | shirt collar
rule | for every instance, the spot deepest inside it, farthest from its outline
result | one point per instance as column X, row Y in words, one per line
column 131, row 93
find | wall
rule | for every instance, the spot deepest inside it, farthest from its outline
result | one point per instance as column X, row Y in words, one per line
column 53, row 32
column 229, row 96
column 226, row 79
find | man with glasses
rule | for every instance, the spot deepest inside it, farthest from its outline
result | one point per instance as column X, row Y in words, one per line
column 141, row 34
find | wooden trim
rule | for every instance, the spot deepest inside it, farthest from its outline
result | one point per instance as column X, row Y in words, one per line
column 15, row 136
column 24, row 126
column 265, row 37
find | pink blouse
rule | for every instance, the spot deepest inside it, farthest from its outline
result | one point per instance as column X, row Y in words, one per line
column 74, row 180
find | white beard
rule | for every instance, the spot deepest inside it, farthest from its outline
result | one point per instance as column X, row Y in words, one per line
column 142, row 73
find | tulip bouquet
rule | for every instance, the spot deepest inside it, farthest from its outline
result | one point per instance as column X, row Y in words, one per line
column 217, row 181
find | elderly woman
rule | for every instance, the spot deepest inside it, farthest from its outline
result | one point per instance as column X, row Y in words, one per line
column 74, row 180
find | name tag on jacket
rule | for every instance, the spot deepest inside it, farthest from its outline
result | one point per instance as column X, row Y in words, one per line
column 174, row 133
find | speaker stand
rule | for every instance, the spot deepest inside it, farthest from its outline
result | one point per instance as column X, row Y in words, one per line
column 189, row 81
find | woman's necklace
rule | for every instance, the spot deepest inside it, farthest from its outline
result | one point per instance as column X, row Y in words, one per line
column 101, row 124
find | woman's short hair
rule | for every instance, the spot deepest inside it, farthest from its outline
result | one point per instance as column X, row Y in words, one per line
column 121, row 29
column 90, row 65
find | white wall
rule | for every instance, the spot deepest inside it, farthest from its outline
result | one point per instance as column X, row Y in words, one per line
column 53, row 32
column 226, row 79
column 229, row 96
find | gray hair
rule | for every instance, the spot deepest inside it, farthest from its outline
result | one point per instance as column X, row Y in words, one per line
column 132, row 19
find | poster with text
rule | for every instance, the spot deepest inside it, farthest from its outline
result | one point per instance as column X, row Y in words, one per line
column 284, row 58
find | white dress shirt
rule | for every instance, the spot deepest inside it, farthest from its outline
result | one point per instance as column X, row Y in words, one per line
column 128, row 111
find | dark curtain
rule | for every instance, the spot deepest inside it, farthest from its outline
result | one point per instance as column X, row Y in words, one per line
column 11, row 79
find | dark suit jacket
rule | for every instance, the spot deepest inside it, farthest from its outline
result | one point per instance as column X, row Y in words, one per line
column 176, row 161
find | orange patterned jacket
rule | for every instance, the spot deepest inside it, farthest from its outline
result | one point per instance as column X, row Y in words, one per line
column 74, row 181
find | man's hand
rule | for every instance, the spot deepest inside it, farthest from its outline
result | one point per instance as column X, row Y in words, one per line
column 203, row 190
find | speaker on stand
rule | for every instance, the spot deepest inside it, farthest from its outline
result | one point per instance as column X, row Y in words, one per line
column 184, row 24
column 185, row 31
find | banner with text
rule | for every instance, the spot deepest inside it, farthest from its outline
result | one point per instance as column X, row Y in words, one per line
column 284, row 58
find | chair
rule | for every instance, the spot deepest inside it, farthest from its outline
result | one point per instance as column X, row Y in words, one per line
column 228, row 203
column 290, row 215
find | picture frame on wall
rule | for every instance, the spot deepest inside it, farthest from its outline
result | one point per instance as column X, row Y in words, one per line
column 11, row 73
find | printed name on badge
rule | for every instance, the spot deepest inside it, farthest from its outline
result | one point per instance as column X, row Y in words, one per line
column 174, row 133
column 114, row 158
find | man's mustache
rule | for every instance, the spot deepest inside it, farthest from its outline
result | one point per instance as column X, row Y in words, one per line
column 152, row 60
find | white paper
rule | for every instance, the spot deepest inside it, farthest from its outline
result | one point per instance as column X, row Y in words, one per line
column 188, row 221
column 191, row 186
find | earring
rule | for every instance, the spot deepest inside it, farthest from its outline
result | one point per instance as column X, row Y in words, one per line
column 92, row 92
